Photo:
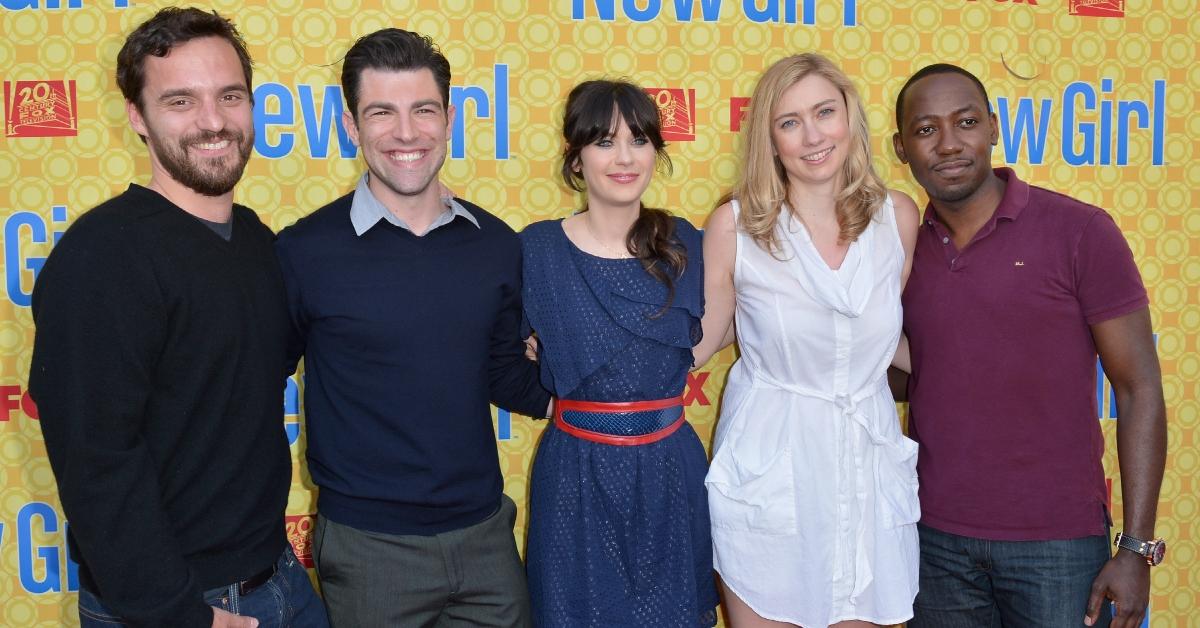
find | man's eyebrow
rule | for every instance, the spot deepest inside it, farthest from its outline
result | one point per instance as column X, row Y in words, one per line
column 427, row 102
column 388, row 106
column 957, row 112
column 384, row 105
column 187, row 91
column 175, row 93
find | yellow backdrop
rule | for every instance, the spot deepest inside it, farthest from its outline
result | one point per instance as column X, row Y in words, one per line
column 1097, row 98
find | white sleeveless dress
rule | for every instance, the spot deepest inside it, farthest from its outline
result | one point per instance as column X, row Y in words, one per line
column 813, row 486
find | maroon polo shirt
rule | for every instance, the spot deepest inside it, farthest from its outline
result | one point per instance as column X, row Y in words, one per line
column 1003, row 390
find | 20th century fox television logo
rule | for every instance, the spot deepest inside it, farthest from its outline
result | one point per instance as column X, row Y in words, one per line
column 40, row 109
column 676, row 112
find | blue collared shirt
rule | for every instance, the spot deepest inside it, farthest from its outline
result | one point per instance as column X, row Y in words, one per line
column 366, row 211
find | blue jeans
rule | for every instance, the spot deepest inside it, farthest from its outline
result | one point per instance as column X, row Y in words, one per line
column 975, row 583
column 286, row 600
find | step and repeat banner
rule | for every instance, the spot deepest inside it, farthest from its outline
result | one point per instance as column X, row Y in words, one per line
column 1095, row 98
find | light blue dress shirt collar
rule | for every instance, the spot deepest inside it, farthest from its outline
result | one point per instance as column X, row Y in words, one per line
column 366, row 211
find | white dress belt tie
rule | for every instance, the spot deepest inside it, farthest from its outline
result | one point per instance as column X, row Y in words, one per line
column 898, row 468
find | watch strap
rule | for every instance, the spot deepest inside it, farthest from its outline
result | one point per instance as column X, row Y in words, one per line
column 1152, row 551
column 1132, row 544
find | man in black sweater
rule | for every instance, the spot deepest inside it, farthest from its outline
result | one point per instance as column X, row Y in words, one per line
column 161, row 330
column 406, row 307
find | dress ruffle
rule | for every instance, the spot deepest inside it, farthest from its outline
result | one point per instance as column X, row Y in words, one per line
column 562, row 278
column 618, row 535
column 814, row 275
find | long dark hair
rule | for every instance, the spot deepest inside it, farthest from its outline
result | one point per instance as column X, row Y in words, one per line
column 588, row 119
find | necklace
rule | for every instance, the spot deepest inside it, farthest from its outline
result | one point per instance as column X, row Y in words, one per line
column 587, row 222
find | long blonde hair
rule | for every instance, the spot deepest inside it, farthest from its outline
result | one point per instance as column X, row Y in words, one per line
column 762, row 188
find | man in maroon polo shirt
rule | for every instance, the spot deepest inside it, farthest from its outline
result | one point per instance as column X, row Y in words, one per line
column 1014, row 292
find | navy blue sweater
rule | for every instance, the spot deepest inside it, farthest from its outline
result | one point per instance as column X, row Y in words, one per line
column 405, row 340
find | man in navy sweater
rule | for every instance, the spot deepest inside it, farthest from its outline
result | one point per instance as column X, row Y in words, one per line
column 406, row 308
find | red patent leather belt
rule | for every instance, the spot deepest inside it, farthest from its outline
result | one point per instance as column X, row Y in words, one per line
column 619, row 423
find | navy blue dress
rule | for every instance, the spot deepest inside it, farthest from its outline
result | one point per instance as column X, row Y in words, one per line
column 618, row 535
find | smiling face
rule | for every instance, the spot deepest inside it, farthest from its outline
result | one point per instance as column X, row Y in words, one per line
column 617, row 168
column 810, row 131
column 946, row 137
column 196, row 116
column 402, row 126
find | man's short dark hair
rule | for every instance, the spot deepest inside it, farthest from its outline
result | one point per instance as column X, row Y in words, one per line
column 169, row 28
column 396, row 50
column 929, row 70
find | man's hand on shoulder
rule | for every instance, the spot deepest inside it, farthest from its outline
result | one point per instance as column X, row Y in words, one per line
column 225, row 619
column 1125, row 579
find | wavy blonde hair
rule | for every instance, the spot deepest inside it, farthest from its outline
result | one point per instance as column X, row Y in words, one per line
column 762, row 188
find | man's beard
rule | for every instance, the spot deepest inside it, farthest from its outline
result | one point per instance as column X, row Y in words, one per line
column 210, row 177
column 952, row 194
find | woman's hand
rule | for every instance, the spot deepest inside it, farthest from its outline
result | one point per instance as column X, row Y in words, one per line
column 531, row 348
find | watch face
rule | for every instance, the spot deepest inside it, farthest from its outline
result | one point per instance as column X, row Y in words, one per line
column 1158, row 551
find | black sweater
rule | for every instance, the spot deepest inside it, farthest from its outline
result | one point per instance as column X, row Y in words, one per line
column 156, row 373
column 405, row 340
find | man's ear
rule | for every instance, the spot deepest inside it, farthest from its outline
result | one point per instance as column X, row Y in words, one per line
column 898, row 146
column 351, row 127
column 136, row 122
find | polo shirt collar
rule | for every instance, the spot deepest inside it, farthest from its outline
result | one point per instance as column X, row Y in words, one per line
column 1016, row 197
column 1016, row 194
column 366, row 211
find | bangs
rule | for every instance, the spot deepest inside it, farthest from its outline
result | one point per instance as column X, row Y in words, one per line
column 593, row 111
column 598, row 113
column 640, row 114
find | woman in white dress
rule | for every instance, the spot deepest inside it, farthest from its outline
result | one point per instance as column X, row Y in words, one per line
column 812, row 488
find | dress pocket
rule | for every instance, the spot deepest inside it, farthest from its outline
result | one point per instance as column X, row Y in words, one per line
column 898, row 484
column 749, row 492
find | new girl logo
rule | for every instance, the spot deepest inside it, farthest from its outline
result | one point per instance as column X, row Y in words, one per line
column 677, row 111
column 1098, row 8
column 40, row 109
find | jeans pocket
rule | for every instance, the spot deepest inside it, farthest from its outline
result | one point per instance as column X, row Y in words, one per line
column 94, row 614
column 219, row 598
column 268, row 603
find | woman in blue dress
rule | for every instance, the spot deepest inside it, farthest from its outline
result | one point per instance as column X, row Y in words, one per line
column 619, row 529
